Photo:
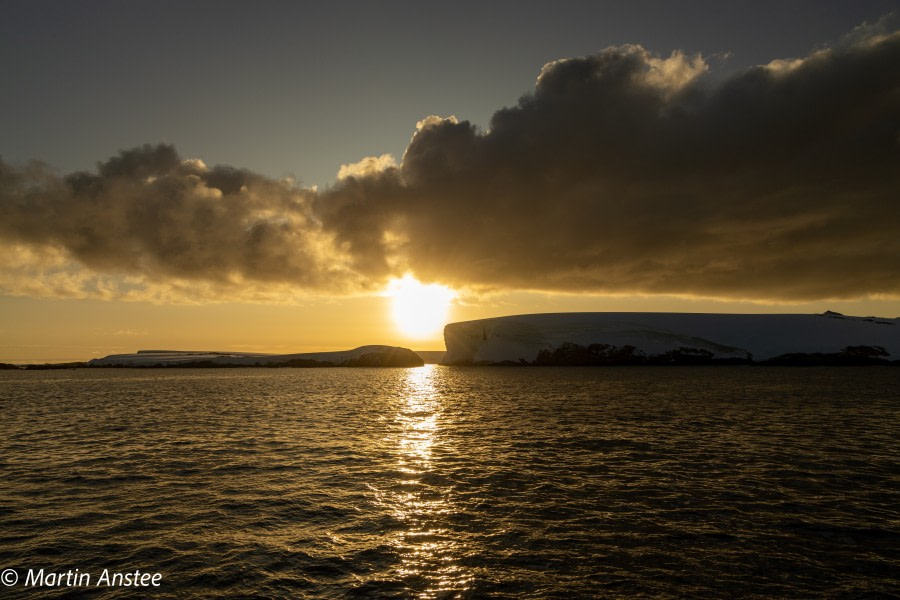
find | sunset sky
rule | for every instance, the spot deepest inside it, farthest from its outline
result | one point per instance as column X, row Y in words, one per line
column 276, row 176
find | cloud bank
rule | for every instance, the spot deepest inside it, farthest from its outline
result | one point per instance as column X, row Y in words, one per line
column 151, row 223
column 622, row 172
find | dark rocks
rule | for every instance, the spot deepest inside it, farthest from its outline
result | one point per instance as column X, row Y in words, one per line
column 569, row 354
column 390, row 357
column 849, row 356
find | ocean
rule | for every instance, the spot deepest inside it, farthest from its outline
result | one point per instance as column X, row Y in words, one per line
column 440, row 482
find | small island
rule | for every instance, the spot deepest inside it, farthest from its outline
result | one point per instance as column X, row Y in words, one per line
column 364, row 356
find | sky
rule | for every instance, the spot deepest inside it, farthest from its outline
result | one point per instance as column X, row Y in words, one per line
column 254, row 176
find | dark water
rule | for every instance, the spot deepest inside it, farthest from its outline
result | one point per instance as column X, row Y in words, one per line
column 440, row 482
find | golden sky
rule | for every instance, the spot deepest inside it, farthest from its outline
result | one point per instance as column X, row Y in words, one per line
column 628, row 177
column 59, row 330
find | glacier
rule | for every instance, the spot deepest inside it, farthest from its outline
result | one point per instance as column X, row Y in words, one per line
column 534, row 338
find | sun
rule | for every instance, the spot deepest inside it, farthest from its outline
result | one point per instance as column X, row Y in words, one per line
column 419, row 310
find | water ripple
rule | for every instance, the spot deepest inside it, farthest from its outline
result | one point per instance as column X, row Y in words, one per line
column 443, row 483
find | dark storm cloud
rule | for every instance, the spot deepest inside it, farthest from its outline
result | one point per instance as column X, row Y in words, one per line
column 621, row 172
column 624, row 172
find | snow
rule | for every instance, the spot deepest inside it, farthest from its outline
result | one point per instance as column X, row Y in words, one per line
column 520, row 337
column 172, row 357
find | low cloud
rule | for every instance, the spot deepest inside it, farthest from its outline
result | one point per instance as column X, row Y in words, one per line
column 622, row 172
column 130, row 332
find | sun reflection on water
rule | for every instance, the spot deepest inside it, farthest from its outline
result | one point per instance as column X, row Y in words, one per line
column 428, row 550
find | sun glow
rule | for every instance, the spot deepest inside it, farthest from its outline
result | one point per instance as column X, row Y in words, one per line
column 419, row 310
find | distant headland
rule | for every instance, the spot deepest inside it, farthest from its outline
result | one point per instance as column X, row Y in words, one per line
column 364, row 356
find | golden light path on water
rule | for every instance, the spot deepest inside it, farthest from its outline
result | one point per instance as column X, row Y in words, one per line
column 429, row 553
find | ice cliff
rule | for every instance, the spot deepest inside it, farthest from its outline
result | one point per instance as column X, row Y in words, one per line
column 622, row 338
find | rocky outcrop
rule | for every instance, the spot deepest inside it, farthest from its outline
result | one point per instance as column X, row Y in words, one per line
column 391, row 357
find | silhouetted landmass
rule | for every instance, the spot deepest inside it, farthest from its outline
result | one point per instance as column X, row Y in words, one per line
column 392, row 357
column 849, row 356
column 383, row 357
column 569, row 354
column 197, row 364
column 299, row 363
column 577, row 355
column 52, row 366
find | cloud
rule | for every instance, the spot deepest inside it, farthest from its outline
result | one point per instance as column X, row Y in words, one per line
column 625, row 172
column 130, row 332
column 150, row 215
column 368, row 166
column 621, row 172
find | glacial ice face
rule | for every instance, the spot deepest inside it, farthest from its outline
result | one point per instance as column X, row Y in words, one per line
column 519, row 338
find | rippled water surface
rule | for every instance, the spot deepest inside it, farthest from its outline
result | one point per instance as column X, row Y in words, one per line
column 452, row 482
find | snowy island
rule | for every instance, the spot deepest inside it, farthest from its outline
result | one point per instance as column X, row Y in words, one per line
column 673, row 338
column 364, row 356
